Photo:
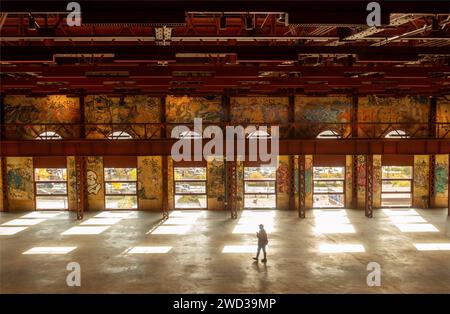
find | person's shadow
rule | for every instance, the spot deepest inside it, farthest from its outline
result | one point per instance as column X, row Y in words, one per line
column 260, row 267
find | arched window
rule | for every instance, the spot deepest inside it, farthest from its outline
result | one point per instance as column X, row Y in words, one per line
column 186, row 134
column 119, row 135
column 397, row 134
column 49, row 135
column 328, row 134
column 258, row 134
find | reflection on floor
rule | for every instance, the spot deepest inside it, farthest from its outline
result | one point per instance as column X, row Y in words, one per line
column 206, row 251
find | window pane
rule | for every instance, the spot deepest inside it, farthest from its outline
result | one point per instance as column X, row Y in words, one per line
column 190, row 173
column 51, row 202
column 50, row 174
column 328, row 173
column 121, row 202
column 120, row 174
column 50, row 188
column 190, row 201
column 328, row 186
column 394, row 200
column 260, row 173
column 328, row 200
column 190, row 187
column 260, row 187
column 259, row 201
column 396, row 186
column 120, row 188
column 396, row 172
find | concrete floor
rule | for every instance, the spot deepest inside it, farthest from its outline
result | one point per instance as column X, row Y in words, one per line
column 196, row 262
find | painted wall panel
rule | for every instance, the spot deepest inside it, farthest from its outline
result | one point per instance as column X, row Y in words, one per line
column 19, row 173
column 328, row 110
column 216, row 184
column 95, row 183
column 71, row 183
column 376, row 181
column 102, row 109
column 150, row 182
column 348, row 180
column 52, row 109
column 283, row 183
column 421, row 172
column 441, row 180
column 405, row 113
column 308, row 181
column 443, row 115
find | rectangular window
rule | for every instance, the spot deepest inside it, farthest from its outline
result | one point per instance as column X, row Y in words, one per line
column 396, row 186
column 328, row 187
column 260, row 187
column 51, row 188
column 190, row 187
column 121, row 188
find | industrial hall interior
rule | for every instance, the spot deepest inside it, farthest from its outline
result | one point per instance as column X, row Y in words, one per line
column 349, row 99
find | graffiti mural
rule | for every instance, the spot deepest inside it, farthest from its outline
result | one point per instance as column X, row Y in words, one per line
column 40, row 110
column 184, row 109
column 332, row 110
column 149, row 178
column 19, row 178
column 259, row 109
column 443, row 115
column 216, row 179
column 94, row 181
column 441, row 173
column 283, row 181
column 407, row 111
column 131, row 109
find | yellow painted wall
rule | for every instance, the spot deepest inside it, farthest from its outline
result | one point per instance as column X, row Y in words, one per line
column 19, row 172
column 216, row 184
column 170, row 195
column 95, row 183
column 443, row 115
column 376, row 181
column 421, row 173
column 348, row 180
column 71, row 183
column 150, row 187
column 283, row 183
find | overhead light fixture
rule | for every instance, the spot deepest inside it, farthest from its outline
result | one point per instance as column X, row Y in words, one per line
column 31, row 22
column 283, row 19
column 163, row 35
column 249, row 22
column 223, row 22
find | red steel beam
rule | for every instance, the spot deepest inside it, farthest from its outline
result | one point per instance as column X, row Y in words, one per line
column 162, row 147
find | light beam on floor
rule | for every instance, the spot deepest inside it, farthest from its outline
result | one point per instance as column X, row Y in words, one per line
column 85, row 230
column 50, row 250
column 432, row 246
column 148, row 250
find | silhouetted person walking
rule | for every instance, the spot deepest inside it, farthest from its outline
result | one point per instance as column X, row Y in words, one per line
column 262, row 242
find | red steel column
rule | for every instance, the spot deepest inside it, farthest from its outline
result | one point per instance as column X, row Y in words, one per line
column 301, row 187
column 80, row 168
column 369, row 186
column 4, row 185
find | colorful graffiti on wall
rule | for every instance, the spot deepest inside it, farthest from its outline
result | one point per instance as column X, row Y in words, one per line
column 259, row 109
column 403, row 113
column 184, row 109
column 19, row 176
column 283, row 181
column 131, row 109
column 441, row 173
column 333, row 111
